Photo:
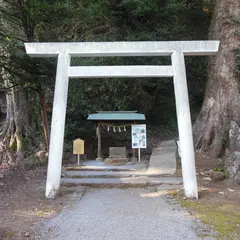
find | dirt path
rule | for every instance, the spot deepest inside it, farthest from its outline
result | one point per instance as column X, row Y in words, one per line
column 23, row 204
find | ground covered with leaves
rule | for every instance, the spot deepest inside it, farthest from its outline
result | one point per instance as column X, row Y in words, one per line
column 23, row 203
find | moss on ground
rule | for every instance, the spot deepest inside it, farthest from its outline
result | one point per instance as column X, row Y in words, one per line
column 225, row 218
column 9, row 235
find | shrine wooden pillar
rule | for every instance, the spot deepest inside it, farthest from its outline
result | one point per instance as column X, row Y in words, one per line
column 99, row 152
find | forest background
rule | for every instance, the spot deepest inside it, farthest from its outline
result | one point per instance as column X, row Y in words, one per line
column 27, row 84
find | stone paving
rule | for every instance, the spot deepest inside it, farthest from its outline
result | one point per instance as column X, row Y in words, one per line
column 163, row 159
column 123, row 214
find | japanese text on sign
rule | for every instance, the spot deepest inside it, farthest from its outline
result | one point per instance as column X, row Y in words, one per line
column 139, row 136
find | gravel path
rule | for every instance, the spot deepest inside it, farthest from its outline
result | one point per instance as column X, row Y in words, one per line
column 122, row 214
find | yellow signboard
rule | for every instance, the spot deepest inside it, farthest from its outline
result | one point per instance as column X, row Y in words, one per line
column 78, row 146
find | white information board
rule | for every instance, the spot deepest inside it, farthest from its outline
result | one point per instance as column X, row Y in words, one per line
column 139, row 136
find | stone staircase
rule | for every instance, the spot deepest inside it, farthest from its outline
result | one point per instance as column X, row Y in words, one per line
column 98, row 174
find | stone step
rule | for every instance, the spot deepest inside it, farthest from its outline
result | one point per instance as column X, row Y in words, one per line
column 107, row 174
column 100, row 166
column 142, row 181
column 94, row 169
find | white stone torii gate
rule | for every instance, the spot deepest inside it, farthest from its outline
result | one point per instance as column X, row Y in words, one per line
column 176, row 49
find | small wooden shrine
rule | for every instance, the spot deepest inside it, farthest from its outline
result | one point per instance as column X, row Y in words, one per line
column 116, row 121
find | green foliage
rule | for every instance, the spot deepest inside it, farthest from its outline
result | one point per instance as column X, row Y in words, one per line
column 104, row 20
column 223, row 170
column 172, row 122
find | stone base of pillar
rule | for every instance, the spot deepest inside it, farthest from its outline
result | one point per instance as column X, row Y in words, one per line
column 116, row 161
column 99, row 159
column 134, row 159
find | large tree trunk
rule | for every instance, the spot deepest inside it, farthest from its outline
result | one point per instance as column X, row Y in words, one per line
column 16, row 125
column 44, row 118
column 222, row 100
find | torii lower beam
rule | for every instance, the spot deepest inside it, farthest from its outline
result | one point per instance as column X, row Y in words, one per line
column 176, row 49
column 120, row 71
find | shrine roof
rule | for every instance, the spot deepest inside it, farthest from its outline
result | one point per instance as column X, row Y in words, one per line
column 116, row 116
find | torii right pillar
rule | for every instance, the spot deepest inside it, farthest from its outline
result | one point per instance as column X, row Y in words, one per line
column 184, row 125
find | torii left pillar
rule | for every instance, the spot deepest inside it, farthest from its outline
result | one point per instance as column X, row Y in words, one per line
column 58, row 126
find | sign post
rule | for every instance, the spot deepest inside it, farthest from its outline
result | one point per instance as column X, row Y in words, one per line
column 78, row 148
column 139, row 138
column 139, row 155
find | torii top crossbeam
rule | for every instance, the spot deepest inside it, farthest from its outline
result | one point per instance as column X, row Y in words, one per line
column 109, row 49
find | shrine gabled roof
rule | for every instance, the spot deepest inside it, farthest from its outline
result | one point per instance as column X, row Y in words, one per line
column 116, row 116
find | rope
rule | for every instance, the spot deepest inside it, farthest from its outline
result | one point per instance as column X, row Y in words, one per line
column 116, row 125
